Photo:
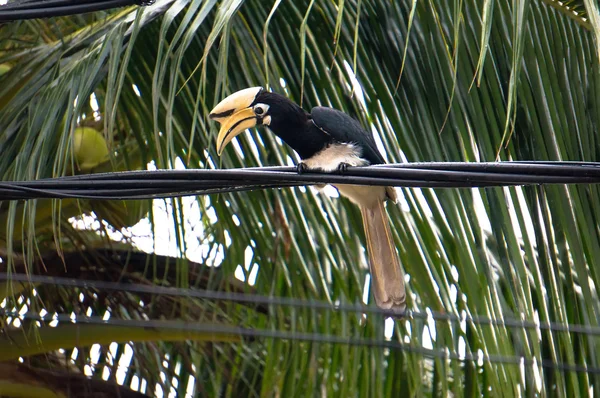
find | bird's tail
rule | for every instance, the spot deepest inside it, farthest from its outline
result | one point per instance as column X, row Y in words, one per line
column 387, row 280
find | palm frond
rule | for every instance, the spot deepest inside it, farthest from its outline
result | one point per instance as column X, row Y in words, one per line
column 504, row 253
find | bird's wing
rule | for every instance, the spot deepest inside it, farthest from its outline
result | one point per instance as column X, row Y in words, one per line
column 344, row 128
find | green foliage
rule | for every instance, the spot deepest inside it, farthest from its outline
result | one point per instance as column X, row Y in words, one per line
column 456, row 81
column 17, row 344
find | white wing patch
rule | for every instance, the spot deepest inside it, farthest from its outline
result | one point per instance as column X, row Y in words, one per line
column 330, row 158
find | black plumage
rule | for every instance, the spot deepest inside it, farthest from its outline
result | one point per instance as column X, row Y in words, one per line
column 345, row 129
column 309, row 133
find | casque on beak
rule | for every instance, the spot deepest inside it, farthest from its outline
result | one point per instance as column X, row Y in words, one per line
column 235, row 114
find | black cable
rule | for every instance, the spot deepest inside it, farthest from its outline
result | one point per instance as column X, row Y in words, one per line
column 359, row 175
column 47, row 9
column 302, row 336
column 520, row 166
column 39, row 4
column 296, row 303
column 167, row 183
column 19, row 193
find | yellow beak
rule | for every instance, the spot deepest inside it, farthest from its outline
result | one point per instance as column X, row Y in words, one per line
column 234, row 125
column 235, row 115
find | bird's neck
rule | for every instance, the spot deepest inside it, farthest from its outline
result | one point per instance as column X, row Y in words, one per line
column 297, row 130
column 303, row 138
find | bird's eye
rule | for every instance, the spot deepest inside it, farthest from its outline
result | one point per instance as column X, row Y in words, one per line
column 260, row 109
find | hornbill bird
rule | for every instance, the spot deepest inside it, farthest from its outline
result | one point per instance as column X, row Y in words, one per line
column 326, row 139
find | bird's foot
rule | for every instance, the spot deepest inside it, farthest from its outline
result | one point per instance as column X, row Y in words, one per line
column 343, row 167
column 301, row 167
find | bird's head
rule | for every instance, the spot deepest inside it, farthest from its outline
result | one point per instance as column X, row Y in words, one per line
column 240, row 111
column 252, row 107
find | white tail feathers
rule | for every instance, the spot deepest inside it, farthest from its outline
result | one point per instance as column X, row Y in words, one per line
column 387, row 280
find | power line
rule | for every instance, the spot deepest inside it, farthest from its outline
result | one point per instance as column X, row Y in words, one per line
column 306, row 337
column 169, row 183
column 29, row 9
column 297, row 303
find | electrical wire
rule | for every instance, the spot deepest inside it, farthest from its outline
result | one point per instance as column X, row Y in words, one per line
column 170, row 183
column 302, row 336
column 507, row 322
column 21, row 10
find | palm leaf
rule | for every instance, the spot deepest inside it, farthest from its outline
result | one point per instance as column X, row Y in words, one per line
column 505, row 254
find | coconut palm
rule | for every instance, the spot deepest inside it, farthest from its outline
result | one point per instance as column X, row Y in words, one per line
column 495, row 276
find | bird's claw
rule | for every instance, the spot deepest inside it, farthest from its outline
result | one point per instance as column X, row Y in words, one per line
column 301, row 167
column 343, row 167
